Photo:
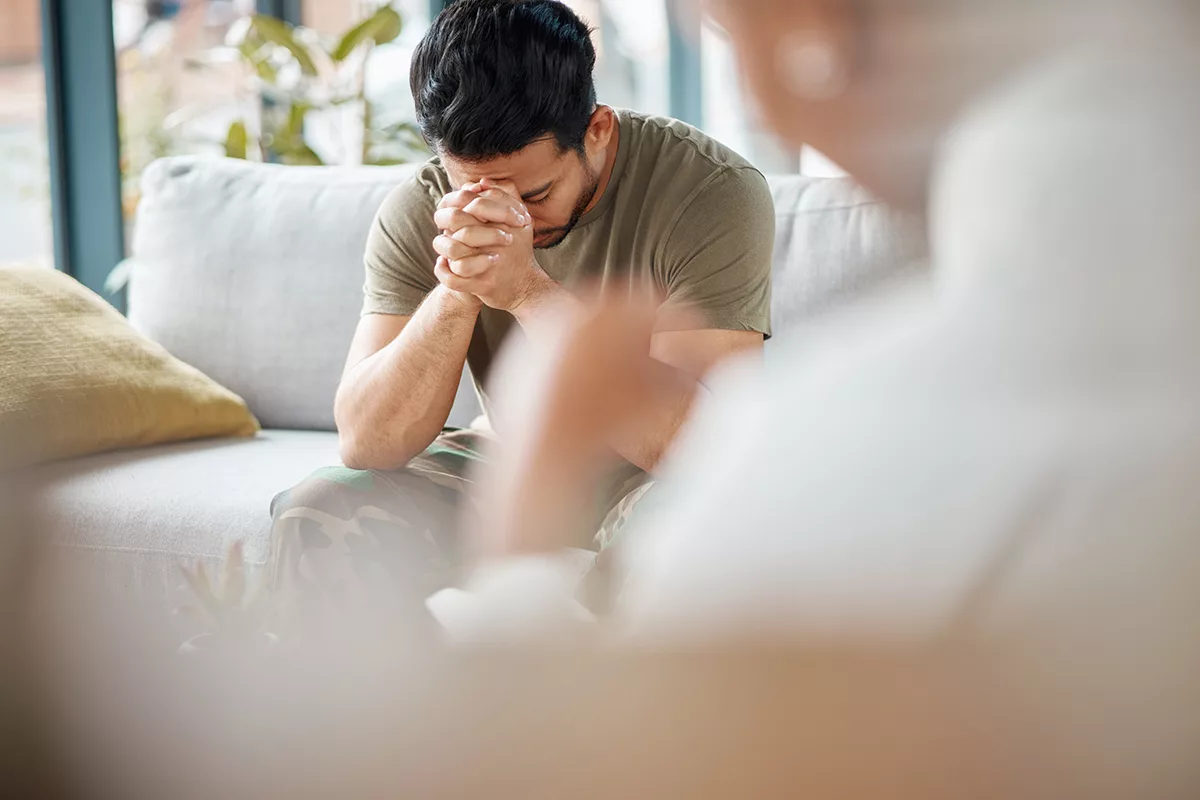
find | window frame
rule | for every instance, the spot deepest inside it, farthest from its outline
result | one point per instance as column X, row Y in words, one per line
column 84, row 135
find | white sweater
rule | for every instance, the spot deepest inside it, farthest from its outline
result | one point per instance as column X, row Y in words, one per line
column 1012, row 456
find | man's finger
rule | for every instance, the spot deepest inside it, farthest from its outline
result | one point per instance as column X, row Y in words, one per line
column 464, row 195
column 457, row 199
column 452, row 219
column 443, row 245
column 487, row 209
column 503, row 192
column 508, row 187
column 447, row 278
column 447, row 273
column 481, row 236
column 473, row 266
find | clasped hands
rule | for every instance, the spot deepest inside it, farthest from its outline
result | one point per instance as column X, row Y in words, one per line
column 485, row 248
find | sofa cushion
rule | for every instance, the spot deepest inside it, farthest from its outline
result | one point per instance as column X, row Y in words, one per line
column 253, row 273
column 835, row 242
column 129, row 519
column 75, row 378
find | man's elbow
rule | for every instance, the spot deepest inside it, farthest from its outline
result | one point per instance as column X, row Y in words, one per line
column 355, row 449
column 360, row 454
column 357, row 454
column 354, row 455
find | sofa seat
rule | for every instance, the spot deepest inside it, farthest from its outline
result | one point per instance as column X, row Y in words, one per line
column 252, row 273
column 131, row 518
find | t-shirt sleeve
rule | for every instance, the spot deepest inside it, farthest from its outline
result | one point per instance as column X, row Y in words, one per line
column 717, row 258
column 399, row 258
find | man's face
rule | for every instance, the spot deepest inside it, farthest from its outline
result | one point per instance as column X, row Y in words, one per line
column 556, row 186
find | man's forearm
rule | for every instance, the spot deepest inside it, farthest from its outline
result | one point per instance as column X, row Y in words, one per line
column 393, row 404
column 652, row 433
column 671, row 392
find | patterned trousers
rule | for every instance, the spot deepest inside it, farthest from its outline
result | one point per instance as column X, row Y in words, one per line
column 346, row 541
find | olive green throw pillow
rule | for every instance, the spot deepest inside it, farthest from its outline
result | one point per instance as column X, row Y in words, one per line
column 75, row 378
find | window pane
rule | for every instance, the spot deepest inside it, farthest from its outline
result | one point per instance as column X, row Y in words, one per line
column 25, row 218
column 632, row 44
column 196, row 77
column 386, row 132
column 179, row 87
column 730, row 113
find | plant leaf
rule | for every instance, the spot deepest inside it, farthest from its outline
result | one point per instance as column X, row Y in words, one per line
column 282, row 34
column 236, row 140
column 198, row 614
column 301, row 155
column 198, row 581
column 233, row 577
column 251, row 50
column 294, row 129
column 381, row 27
column 266, row 71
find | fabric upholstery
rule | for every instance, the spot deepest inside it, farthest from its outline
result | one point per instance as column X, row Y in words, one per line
column 135, row 516
column 253, row 273
column 834, row 242
column 75, row 378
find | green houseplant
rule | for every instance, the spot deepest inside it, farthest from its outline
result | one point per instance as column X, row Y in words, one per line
column 296, row 74
column 289, row 77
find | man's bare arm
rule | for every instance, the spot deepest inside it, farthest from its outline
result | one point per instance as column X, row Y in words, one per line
column 487, row 250
column 400, row 380
column 682, row 358
column 672, row 369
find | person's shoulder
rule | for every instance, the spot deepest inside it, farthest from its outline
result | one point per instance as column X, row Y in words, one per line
column 1044, row 134
column 677, row 140
column 673, row 160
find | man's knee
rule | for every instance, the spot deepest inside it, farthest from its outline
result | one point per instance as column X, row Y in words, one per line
column 347, row 511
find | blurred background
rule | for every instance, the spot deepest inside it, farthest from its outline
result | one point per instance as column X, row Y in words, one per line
column 82, row 112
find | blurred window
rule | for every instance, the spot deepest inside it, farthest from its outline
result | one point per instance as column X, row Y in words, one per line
column 632, row 50
column 26, row 226
column 178, row 87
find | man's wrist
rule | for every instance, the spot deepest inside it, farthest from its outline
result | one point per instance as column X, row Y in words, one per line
column 543, row 292
column 457, row 303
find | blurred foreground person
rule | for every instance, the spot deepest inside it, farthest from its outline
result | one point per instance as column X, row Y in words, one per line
column 1010, row 457
column 998, row 476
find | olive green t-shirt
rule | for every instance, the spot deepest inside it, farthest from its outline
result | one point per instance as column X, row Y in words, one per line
column 681, row 212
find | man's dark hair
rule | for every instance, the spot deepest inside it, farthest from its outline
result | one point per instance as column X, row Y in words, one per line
column 491, row 76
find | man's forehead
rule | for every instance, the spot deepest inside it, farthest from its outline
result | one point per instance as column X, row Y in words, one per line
column 534, row 163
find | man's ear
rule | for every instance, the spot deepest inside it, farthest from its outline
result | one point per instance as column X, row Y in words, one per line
column 601, row 128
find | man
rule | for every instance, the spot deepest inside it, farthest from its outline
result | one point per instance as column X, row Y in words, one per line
column 536, row 190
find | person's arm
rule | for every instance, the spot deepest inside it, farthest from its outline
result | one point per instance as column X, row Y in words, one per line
column 717, row 258
column 671, row 371
column 401, row 379
column 408, row 353
column 577, row 394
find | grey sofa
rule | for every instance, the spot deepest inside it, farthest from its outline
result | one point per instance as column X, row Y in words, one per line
column 252, row 273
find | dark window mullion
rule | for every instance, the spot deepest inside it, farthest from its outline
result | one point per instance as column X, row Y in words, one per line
column 287, row 10
column 686, row 100
column 82, row 126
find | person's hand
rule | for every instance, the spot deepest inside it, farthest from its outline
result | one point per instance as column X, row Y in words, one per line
column 486, row 246
column 466, row 300
column 558, row 405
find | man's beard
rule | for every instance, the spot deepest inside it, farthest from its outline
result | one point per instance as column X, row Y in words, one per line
column 585, row 199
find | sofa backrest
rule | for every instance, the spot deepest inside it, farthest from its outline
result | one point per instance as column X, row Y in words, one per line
column 253, row 273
